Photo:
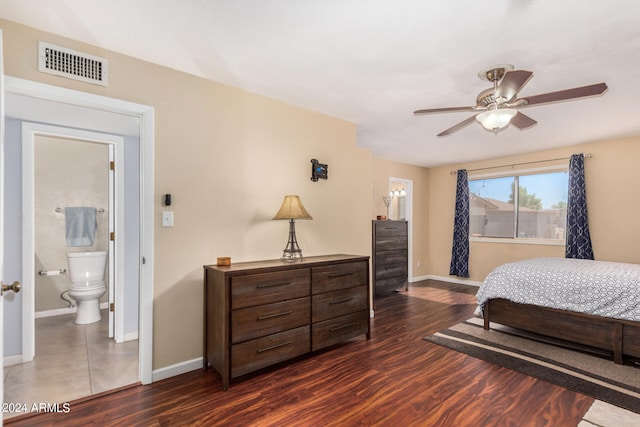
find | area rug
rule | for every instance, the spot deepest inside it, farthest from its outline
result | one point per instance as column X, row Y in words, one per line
column 594, row 376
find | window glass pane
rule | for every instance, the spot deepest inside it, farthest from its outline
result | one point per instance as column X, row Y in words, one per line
column 542, row 205
column 491, row 207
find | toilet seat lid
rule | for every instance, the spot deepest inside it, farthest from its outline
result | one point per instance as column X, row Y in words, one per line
column 88, row 285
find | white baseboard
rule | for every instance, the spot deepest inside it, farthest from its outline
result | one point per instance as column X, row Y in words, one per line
column 447, row 279
column 177, row 369
column 61, row 311
column 131, row 336
column 12, row 360
column 55, row 312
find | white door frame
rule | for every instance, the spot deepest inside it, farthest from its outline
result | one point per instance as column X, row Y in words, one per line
column 145, row 114
column 116, row 261
column 116, row 220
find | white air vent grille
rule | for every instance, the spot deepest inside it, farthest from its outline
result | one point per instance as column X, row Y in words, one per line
column 69, row 63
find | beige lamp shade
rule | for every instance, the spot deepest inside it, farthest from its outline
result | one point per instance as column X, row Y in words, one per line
column 292, row 209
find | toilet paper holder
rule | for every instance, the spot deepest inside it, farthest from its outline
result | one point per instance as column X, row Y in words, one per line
column 52, row 272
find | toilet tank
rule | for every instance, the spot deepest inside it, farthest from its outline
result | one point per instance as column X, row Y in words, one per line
column 85, row 266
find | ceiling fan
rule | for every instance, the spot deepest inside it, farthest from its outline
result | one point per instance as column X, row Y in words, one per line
column 497, row 106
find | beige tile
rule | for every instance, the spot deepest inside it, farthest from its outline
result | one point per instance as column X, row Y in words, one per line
column 48, row 373
column 606, row 415
column 72, row 361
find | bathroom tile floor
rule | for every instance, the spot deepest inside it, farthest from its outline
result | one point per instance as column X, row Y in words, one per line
column 71, row 361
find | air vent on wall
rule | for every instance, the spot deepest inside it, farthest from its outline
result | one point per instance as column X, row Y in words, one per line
column 69, row 63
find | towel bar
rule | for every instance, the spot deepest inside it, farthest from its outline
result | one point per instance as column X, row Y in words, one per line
column 99, row 210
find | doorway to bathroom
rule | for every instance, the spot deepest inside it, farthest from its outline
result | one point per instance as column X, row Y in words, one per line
column 75, row 193
column 65, row 169
column 42, row 103
column 401, row 208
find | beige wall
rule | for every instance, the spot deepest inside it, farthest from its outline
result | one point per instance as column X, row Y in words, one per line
column 67, row 173
column 382, row 171
column 612, row 201
column 228, row 157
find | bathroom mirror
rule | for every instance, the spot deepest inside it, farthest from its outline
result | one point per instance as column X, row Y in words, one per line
column 398, row 197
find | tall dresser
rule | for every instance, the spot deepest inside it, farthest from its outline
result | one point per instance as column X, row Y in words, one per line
column 390, row 252
column 257, row 314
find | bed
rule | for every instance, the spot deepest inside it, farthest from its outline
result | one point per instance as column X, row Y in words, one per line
column 587, row 305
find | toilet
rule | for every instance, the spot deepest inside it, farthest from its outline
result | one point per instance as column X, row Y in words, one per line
column 86, row 272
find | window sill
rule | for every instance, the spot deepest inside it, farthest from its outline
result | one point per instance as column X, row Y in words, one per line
column 520, row 241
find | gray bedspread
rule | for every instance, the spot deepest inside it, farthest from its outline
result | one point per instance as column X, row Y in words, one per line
column 601, row 288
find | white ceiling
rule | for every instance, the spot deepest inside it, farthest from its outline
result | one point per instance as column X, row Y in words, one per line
column 373, row 62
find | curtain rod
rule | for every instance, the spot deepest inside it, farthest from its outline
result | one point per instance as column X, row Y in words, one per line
column 587, row 156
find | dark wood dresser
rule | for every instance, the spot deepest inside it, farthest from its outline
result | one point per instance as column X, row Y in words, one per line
column 257, row 314
column 390, row 254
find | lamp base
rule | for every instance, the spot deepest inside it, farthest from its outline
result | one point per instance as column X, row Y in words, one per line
column 288, row 256
column 292, row 251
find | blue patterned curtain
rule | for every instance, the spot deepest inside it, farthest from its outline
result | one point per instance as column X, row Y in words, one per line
column 578, row 237
column 460, row 250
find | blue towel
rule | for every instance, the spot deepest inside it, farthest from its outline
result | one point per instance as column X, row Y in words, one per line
column 80, row 226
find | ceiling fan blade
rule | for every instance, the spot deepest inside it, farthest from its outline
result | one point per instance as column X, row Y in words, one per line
column 457, row 127
column 561, row 95
column 512, row 82
column 444, row 110
column 522, row 121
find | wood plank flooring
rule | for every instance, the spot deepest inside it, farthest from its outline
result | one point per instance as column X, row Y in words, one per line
column 394, row 379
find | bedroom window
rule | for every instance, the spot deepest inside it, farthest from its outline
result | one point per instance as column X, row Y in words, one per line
column 536, row 210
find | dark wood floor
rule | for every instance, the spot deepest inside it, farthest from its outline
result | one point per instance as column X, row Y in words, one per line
column 394, row 379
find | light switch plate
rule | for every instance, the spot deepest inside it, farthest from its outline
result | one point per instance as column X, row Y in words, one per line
column 167, row 218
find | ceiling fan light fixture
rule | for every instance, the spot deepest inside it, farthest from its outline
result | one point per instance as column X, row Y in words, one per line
column 495, row 120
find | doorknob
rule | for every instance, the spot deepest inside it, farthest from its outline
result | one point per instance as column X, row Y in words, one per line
column 15, row 287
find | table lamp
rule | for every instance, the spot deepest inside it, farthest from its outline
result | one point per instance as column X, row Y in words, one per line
column 292, row 209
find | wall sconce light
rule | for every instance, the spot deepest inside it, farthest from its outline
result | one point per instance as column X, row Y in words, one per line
column 398, row 193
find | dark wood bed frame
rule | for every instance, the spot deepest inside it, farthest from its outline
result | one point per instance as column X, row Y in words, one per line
column 613, row 338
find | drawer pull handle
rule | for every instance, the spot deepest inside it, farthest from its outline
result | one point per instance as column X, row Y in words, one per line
column 269, row 285
column 340, row 301
column 273, row 347
column 348, row 325
column 271, row 316
column 335, row 276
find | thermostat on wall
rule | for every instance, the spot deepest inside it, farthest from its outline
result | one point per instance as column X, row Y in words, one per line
column 318, row 170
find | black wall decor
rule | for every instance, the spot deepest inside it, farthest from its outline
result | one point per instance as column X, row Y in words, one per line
column 318, row 170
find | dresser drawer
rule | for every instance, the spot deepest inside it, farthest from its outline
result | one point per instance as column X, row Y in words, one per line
column 266, row 351
column 391, row 228
column 394, row 257
column 264, row 288
column 390, row 243
column 339, row 276
column 391, row 270
column 340, row 329
column 254, row 322
column 339, row 303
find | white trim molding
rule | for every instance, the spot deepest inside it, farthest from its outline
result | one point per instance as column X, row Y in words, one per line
column 177, row 369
